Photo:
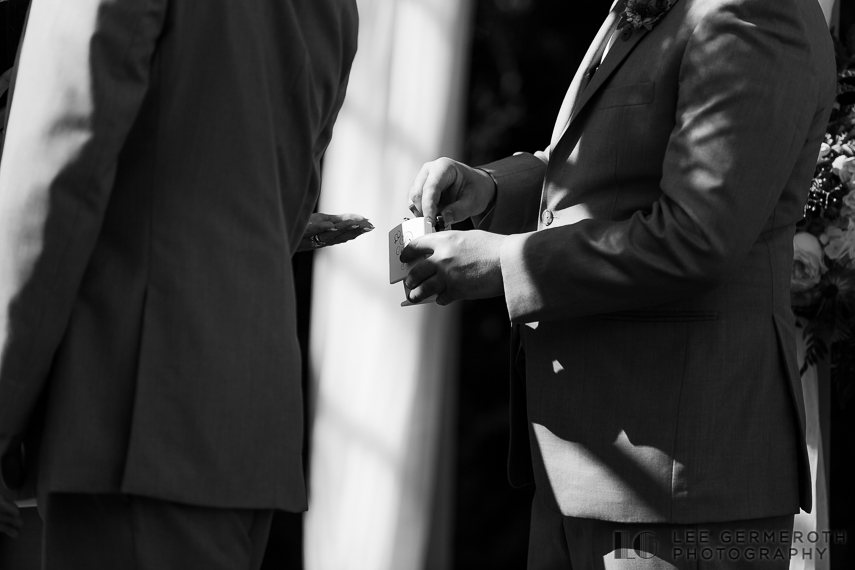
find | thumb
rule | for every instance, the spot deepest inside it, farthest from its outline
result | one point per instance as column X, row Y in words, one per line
column 459, row 205
column 453, row 213
column 417, row 248
column 442, row 177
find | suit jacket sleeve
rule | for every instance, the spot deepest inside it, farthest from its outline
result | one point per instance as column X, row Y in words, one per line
column 346, row 36
column 519, row 181
column 747, row 96
column 84, row 70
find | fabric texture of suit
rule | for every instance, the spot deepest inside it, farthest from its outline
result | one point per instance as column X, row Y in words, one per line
column 559, row 542
column 649, row 270
column 161, row 161
column 118, row 532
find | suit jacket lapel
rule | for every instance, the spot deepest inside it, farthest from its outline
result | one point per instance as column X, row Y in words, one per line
column 579, row 94
column 620, row 49
column 579, row 80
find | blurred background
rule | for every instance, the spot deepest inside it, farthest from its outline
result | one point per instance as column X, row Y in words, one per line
column 408, row 407
column 506, row 67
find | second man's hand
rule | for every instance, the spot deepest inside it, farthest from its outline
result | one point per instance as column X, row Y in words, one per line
column 461, row 265
column 325, row 230
column 452, row 189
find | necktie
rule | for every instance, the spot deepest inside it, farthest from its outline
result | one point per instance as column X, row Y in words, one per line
column 590, row 64
column 618, row 7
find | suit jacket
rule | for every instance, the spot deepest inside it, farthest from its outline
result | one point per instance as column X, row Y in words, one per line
column 161, row 161
column 650, row 266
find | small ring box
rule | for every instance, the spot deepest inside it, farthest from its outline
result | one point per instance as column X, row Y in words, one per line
column 399, row 237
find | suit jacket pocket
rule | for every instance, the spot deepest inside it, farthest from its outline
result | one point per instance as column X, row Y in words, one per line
column 627, row 95
column 662, row 316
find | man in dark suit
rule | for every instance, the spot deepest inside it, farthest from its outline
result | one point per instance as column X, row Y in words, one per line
column 646, row 266
column 160, row 167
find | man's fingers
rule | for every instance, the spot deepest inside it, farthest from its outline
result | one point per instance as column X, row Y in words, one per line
column 417, row 248
column 415, row 193
column 319, row 222
column 333, row 238
column 450, row 214
column 341, row 237
column 319, row 227
column 346, row 231
column 426, row 289
column 431, row 188
column 444, row 299
column 353, row 225
column 439, row 179
column 339, row 218
column 420, row 272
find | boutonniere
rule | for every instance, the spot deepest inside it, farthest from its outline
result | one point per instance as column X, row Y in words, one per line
column 646, row 12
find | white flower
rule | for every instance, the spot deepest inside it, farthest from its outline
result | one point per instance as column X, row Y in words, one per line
column 844, row 167
column 807, row 262
column 824, row 149
column 840, row 242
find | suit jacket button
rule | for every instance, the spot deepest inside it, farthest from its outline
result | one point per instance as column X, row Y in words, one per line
column 546, row 217
column 626, row 33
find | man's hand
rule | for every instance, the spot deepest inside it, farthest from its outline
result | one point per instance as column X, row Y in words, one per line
column 454, row 189
column 331, row 229
column 462, row 265
column 10, row 517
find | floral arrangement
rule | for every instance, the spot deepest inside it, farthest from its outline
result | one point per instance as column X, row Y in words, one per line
column 823, row 279
column 645, row 12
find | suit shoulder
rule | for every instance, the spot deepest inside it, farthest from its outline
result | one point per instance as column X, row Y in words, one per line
column 790, row 33
column 800, row 22
column 807, row 10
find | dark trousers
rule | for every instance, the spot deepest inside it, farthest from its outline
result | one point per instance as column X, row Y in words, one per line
column 123, row 532
column 557, row 542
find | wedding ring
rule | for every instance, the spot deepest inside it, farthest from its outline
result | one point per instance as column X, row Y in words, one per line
column 317, row 241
